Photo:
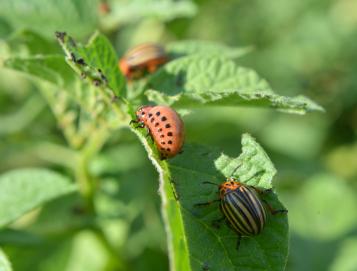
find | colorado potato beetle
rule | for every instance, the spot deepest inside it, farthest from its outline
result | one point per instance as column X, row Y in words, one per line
column 144, row 58
column 242, row 208
column 165, row 127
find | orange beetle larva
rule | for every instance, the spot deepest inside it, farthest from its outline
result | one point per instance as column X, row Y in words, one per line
column 165, row 126
column 141, row 59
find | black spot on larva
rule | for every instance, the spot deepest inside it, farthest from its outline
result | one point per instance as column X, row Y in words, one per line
column 159, row 130
column 168, row 125
column 163, row 142
column 162, row 136
column 168, row 149
column 152, row 120
column 150, row 115
column 169, row 133
column 143, row 113
column 157, row 124
column 163, row 118
column 158, row 113
column 169, row 142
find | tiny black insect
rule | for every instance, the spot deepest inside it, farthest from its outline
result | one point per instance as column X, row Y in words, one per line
column 81, row 61
column 60, row 35
column 97, row 82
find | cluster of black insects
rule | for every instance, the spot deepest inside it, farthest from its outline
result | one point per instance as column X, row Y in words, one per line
column 97, row 79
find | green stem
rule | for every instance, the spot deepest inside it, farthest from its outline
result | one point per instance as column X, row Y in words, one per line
column 117, row 261
column 88, row 187
column 86, row 182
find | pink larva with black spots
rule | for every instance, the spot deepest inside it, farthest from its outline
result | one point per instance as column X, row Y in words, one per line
column 165, row 126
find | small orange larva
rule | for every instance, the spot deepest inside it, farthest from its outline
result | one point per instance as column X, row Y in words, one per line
column 142, row 59
column 165, row 126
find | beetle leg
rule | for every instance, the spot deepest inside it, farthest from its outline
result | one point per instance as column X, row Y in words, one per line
column 205, row 267
column 176, row 195
column 207, row 182
column 217, row 222
column 207, row 203
column 272, row 210
column 260, row 172
column 140, row 125
column 148, row 133
column 238, row 242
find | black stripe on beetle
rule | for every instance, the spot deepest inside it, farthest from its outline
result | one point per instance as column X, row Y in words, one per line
column 242, row 207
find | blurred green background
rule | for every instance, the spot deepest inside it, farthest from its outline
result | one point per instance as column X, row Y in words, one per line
column 301, row 47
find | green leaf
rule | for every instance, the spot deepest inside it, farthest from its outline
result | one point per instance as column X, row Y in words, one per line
column 33, row 42
column 193, row 243
column 190, row 47
column 88, row 253
column 346, row 259
column 40, row 58
column 322, row 198
column 5, row 28
column 100, row 53
column 212, row 80
column 4, row 262
column 46, row 17
column 23, row 117
column 51, row 68
column 122, row 12
column 25, row 189
column 100, row 61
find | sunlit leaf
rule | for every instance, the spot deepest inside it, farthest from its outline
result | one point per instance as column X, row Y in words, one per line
column 46, row 17
column 207, row 48
column 213, row 80
column 4, row 262
column 189, row 228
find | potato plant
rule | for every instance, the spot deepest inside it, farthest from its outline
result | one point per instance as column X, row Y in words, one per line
column 79, row 195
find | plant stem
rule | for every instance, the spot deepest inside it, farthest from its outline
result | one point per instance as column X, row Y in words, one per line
column 117, row 261
column 86, row 183
column 88, row 187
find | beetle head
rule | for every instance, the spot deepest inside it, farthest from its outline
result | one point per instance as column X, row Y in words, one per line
column 230, row 184
column 142, row 113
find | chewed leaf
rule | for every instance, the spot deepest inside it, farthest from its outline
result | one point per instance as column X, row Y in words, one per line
column 213, row 80
column 189, row 227
column 253, row 161
column 297, row 105
column 96, row 61
column 189, row 47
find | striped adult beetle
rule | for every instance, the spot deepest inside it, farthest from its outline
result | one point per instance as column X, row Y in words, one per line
column 144, row 58
column 242, row 207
